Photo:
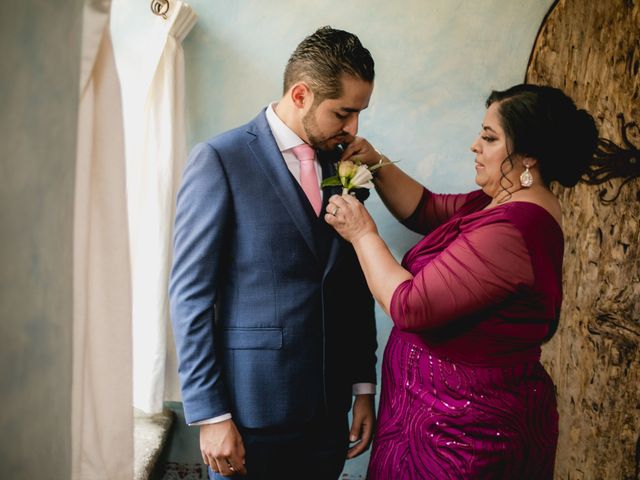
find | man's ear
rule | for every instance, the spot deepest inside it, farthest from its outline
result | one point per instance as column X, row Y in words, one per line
column 301, row 95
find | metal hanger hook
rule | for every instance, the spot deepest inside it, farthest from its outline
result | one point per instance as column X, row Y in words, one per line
column 160, row 7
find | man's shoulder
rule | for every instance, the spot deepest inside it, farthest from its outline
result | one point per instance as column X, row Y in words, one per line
column 230, row 138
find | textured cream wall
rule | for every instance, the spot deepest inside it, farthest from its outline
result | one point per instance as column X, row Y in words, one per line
column 39, row 69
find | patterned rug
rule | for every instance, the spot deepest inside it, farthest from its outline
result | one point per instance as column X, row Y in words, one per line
column 184, row 471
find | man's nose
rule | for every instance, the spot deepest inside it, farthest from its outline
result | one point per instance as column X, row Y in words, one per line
column 352, row 125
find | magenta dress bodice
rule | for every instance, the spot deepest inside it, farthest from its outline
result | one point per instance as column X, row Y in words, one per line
column 463, row 393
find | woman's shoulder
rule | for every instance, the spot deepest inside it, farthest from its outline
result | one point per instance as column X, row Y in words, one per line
column 526, row 212
column 531, row 219
column 537, row 225
column 474, row 201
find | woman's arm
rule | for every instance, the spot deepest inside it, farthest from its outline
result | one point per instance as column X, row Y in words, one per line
column 399, row 192
column 480, row 268
column 383, row 273
column 414, row 205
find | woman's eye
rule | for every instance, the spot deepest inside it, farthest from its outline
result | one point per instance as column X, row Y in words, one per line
column 488, row 139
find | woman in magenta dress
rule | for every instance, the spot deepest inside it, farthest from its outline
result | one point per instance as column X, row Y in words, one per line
column 464, row 395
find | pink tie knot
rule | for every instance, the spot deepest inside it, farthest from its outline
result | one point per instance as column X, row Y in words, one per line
column 304, row 152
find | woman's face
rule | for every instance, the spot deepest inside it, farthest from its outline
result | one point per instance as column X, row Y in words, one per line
column 491, row 148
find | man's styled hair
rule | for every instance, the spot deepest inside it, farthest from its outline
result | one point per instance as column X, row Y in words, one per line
column 323, row 57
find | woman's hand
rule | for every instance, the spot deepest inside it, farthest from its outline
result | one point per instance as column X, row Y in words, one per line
column 349, row 217
column 361, row 150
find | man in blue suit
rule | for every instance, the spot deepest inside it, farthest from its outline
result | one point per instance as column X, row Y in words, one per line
column 273, row 321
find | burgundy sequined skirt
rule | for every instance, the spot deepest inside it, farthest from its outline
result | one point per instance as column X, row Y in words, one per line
column 444, row 420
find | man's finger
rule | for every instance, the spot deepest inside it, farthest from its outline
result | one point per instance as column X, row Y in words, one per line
column 225, row 468
column 213, row 465
column 364, row 439
column 367, row 434
column 238, row 467
column 356, row 450
column 356, row 429
column 209, row 461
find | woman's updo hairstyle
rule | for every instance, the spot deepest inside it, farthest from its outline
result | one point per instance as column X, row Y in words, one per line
column 543, row 123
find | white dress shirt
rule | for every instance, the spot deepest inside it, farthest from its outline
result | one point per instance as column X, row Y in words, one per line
column 287, row 140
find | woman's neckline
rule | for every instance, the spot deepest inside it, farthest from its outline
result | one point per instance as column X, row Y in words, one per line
column 524, row 202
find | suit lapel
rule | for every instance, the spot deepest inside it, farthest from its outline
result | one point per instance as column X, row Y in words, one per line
column 268, row 157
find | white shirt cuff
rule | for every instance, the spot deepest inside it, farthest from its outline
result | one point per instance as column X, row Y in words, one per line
column 218, row 419
column 364, row 388
column 358, row 389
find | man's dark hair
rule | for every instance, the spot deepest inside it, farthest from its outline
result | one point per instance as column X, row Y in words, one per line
column 323, row 57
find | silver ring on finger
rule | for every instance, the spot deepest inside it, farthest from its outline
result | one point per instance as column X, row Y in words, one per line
column 335, row 211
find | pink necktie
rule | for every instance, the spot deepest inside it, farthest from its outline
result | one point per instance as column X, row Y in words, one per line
column 308, row 176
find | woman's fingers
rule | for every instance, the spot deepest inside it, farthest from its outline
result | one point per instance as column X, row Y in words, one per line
column 362, row 151
column 348, row 217
column 344, row 206
column 350, row 149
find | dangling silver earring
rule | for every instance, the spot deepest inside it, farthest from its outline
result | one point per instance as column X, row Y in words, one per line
column 526, row 179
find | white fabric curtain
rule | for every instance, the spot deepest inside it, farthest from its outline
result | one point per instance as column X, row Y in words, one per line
column 156, row 151
column 102, row 417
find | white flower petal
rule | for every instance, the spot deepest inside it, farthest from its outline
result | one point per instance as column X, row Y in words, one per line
column 362, row 178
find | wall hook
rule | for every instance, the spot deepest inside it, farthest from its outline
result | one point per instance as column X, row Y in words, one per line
column 160, row 8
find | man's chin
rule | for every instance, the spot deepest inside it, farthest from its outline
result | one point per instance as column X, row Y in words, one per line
column 330, row 144
column 326, row 146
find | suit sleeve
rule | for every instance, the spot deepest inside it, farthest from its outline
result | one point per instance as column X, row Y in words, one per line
column 363, row 324
column 202, row 215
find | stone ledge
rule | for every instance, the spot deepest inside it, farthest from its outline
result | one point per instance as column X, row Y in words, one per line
column 150, row 436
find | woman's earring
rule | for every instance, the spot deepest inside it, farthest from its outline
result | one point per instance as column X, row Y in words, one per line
column 526, row 179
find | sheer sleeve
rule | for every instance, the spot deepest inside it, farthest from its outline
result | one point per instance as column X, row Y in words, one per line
column 433, row 209
column 480, row 268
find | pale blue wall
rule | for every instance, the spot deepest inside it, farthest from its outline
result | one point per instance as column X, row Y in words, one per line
column 436, row 61
column 39, row 76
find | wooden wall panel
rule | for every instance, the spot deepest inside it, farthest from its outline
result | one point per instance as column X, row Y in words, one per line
column 590, row 49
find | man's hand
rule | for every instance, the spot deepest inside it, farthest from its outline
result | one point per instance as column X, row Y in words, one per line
column 364, row 420
column 222, row 448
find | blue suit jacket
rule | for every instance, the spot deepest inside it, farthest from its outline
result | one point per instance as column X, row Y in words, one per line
column 272, row 318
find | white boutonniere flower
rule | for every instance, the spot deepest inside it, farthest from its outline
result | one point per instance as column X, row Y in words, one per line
column 351, row 175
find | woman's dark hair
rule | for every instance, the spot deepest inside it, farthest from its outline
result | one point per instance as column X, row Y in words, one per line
column 543, row 123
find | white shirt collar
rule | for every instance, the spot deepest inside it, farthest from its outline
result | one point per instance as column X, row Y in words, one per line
column 284, row 136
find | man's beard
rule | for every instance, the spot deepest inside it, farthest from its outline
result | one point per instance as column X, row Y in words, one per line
column 309, row 125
